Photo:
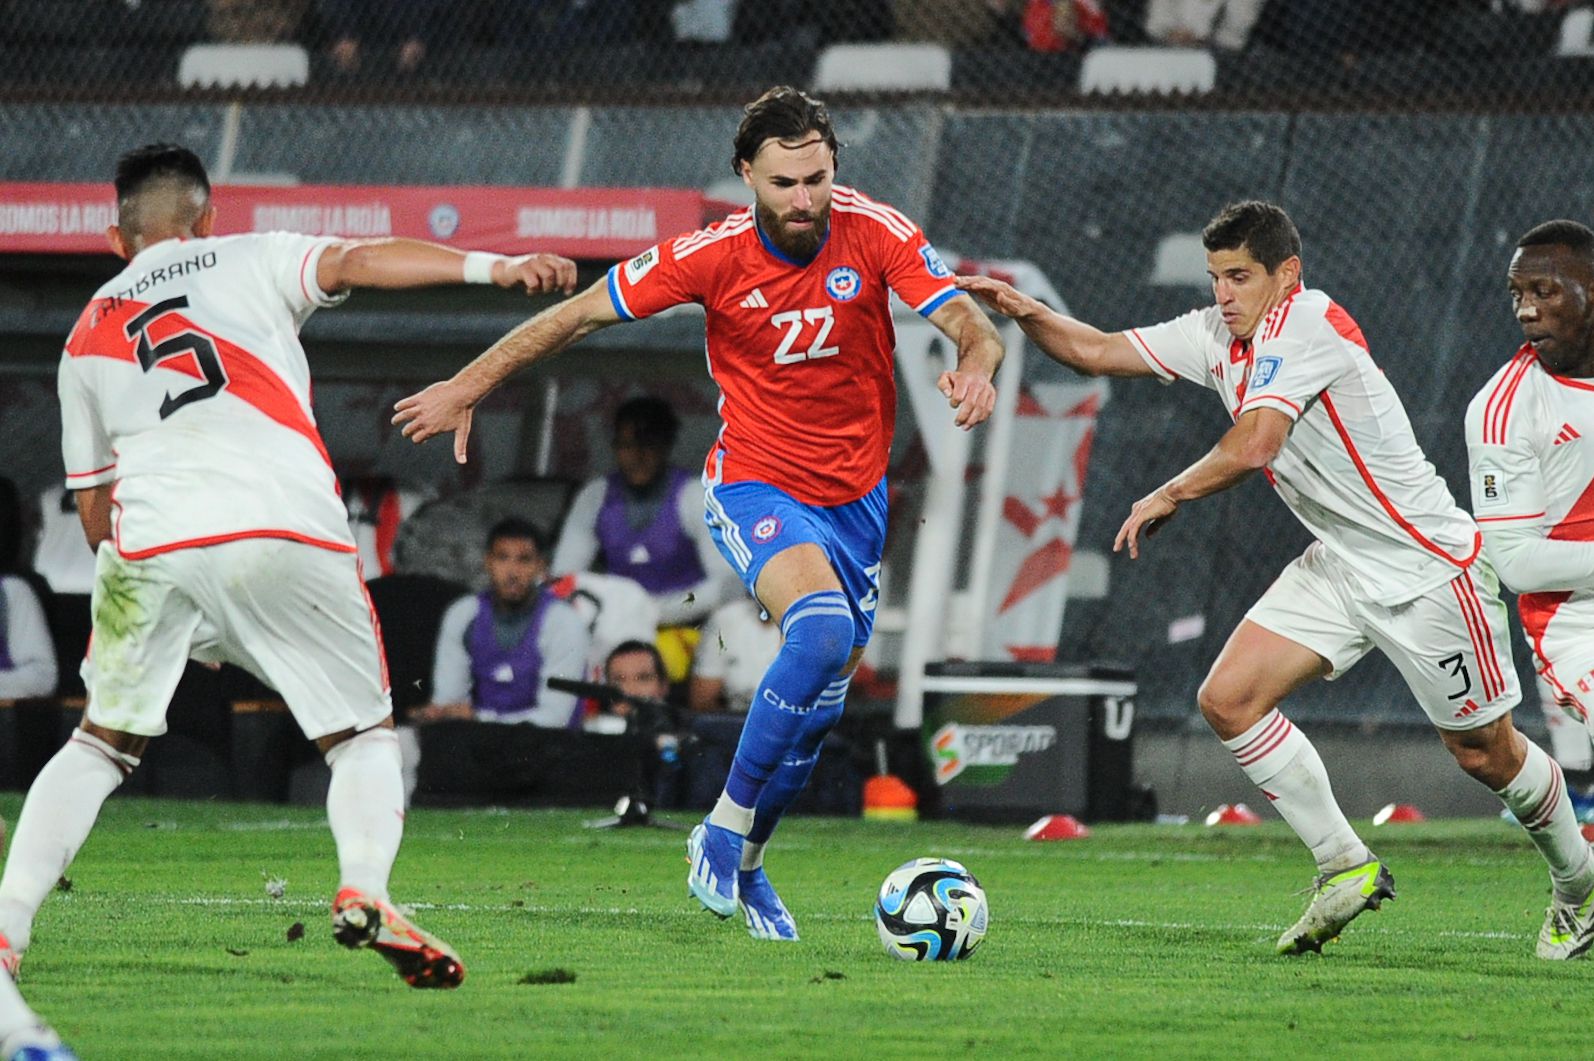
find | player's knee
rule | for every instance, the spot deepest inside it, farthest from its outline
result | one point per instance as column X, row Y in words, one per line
column 1485, row 754
column 379, row 740
column 1229, row 706
column 820, row 628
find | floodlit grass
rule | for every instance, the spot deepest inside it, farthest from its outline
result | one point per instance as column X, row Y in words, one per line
column 1141, row 941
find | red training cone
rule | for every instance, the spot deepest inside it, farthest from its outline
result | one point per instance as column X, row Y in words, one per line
column 1234, row 814
column 1057, row 827
column 1588, row 833
column 1399, row 814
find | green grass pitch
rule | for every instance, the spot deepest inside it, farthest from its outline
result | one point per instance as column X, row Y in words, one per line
column 1142, row 941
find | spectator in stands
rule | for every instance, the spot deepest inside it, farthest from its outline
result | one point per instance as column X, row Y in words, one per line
column 357, row 27
column 953, row 23
column 738, row 645
column 789, row 20
column 1061, row 25
column 60, row 554
column 1345, row 32
column 27, row 656
column 1221, row 24
column 644, row 521
column 378, row 506
column 557, row 25
column 255, row 21
column 496, row 650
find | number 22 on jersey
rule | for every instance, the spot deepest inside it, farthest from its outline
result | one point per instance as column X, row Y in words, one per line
column 795, row 322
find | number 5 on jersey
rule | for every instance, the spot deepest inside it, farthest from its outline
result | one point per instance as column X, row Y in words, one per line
column 185, row 342
column 794, row 321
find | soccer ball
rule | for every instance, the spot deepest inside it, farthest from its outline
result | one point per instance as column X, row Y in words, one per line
column 931, row 910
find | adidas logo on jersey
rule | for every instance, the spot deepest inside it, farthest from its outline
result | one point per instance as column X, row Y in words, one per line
column 755, row 300
column 1568, row 434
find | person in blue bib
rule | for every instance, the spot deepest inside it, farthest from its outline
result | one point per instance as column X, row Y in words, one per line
column 496, row 649
column 644, row 521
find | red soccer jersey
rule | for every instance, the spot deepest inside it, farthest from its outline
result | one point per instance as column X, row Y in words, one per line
column 802, row 353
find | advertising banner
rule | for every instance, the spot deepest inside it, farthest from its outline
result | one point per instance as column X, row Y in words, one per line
column 592, row 223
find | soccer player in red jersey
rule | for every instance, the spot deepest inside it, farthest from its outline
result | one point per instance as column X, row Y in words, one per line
column 797, row 292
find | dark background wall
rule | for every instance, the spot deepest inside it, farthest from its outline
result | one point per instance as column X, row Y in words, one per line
column 1408, row 222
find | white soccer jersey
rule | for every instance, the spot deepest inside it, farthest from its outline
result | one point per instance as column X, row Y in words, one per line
column 1351, row 470
column 183, row 382
column 1530, row 444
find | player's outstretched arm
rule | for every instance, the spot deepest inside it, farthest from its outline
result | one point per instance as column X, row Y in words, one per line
column 1251, row 444
column 397, row 263
column 446, row 407
column 968, row 387
column 1078, row 345
column 1528, row 561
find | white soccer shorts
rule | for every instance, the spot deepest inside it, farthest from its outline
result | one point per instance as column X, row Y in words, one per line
column 1452, row 644
column 294, row 615
column 1568, row 675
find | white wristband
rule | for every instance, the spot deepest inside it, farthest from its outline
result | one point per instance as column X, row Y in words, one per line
column 479, row 266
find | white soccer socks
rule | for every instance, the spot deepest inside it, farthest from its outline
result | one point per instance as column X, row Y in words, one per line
column 1537, row 796
column 57, row 816
column 365, row 807
column 1281, row 762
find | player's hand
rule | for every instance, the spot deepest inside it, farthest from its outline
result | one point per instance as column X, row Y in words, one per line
column 437, row 410
column 972, row 394
column 1003, row 297
column 1148, row 515
column 539, row 273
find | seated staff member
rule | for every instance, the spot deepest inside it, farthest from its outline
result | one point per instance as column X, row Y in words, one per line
column 496, row 649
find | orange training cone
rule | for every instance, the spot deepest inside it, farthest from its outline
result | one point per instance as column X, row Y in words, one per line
column 1057, row 827
column 1234, row 814
column 1399, row 814
column 888, row 798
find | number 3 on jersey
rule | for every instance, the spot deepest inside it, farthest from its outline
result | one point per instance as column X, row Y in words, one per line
column 204, row 351
column 795, row 322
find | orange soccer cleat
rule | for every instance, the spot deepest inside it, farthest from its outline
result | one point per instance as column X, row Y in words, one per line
column 422, row 960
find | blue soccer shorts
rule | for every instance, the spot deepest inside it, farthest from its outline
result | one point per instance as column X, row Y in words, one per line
column 752, row 521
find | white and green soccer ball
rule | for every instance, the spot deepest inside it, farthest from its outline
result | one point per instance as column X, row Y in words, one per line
column 931, row 910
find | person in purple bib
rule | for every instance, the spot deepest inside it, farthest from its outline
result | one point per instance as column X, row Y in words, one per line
column 644, row 521
column 496, row 649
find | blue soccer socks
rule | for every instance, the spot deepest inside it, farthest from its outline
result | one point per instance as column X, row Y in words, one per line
column 818, row 633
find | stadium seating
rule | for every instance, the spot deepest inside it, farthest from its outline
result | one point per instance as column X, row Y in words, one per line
column 243, row 66
column 1107, row 70
column 1576, row 36
column 883, row 67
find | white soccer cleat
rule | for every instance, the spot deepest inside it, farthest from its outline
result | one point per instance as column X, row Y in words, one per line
column 713, row 854
column 1568, row 930
column 1337, row 899
column 35, row 1043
